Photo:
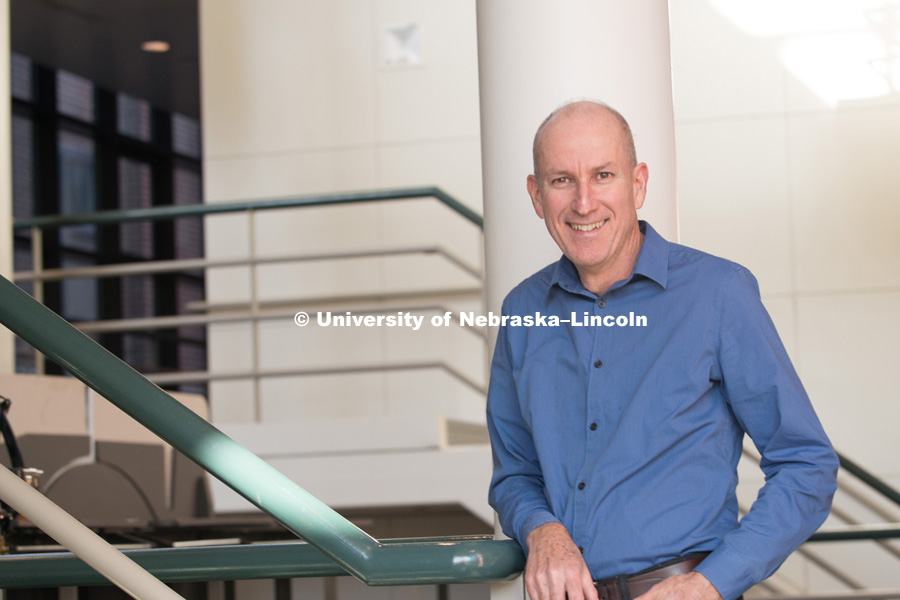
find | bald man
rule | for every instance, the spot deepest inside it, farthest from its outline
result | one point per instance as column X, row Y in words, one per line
column 616, row 435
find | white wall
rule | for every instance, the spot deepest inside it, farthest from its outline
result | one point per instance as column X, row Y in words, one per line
column 297, row 100
column 788, row 140
column 788, row 136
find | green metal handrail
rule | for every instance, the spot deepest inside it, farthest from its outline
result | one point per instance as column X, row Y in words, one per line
column 194, row 210
column 485, row 560
column 334, row 536
column 862, row 532
column 870, row 479
column 857, row 533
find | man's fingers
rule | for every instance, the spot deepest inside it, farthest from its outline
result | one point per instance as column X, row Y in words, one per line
column 556, row 586
column 555, row 569
column 590, row 590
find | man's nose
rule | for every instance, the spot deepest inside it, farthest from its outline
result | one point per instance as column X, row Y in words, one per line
column 583, row 202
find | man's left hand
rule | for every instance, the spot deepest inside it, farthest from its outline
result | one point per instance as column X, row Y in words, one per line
column 689, row 586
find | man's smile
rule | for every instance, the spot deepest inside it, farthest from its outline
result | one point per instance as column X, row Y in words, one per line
column 588, row 226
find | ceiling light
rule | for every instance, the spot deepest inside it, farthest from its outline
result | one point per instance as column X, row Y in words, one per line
column 155, row 46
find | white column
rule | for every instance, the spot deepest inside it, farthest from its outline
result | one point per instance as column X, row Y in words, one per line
column 7, row 340
column 534, row 55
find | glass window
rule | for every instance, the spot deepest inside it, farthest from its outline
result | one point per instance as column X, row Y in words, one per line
column 188, row 230
column 80, row 301
column 134, row 117
column 22, row 168
column 138, row 301
column 185, row 136
column 136, row 191
column 77, row 188
column 82, row 151
column 74, row 96
column 20, row 79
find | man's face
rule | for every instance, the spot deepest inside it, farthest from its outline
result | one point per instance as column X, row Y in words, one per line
column 587, row 193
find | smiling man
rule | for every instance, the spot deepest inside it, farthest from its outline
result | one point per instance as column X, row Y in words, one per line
column 616, row 447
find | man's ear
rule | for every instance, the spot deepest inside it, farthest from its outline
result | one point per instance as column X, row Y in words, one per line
column 535, row 192
column 640, row 175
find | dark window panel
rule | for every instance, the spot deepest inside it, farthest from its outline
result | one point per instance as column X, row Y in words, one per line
column 21, row 81
column 188, row 230
column 77, row 189
column 185, row 136
column 80, row 300
column 137, row 296
column 134, row 117
column 138, row 349
column 22, row 167
column 75, row 96
column 136, row 191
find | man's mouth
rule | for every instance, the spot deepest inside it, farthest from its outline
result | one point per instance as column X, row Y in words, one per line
column 588, row 226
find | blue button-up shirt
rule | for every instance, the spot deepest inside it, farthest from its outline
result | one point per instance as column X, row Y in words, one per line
column 625, row 421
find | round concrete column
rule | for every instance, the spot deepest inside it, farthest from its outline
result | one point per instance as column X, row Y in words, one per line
column 534, row 55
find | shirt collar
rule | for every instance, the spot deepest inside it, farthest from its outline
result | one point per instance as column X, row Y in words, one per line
column 653, row 259
column 652, row 263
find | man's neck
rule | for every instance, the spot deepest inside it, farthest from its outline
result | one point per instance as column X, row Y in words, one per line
column 600, row 282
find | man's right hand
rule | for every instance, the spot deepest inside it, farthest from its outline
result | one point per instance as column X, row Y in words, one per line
column 555, row 569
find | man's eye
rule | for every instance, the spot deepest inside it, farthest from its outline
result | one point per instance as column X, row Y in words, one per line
column 561, row 180
column 604, row 175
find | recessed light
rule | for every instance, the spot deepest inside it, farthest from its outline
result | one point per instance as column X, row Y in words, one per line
column 155, row 46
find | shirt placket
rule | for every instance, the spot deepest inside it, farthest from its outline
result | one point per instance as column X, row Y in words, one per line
column 586, row 485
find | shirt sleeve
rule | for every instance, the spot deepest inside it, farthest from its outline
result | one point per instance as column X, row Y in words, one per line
column 800, row 466
column 517, row 486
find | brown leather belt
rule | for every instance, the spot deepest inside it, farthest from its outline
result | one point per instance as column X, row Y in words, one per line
column 626, row 587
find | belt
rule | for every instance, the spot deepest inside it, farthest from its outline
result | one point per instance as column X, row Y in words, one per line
column 626, row 587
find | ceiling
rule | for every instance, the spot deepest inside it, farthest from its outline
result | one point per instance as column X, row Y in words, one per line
column 101, row 40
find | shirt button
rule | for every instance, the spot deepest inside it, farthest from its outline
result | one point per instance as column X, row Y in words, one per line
column 598, row 363
column 593, row 427
column 581, row 486
column 581, row 549
column 601, row 303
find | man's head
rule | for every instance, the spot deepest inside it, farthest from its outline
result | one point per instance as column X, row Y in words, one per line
column 587, row 186
column 572, row 107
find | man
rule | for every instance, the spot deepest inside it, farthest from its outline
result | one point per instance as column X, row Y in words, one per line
column 616, row 439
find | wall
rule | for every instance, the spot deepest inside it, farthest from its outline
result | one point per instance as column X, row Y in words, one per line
column 297, row 100
column 787, row 140
column 787, row 135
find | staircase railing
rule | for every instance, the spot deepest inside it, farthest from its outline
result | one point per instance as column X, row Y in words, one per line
column 334, row 545
column 355, row 552
column 251, row 312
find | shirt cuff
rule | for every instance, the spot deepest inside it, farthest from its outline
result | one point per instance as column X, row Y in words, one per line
column 727, row 571
column 537, row 519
